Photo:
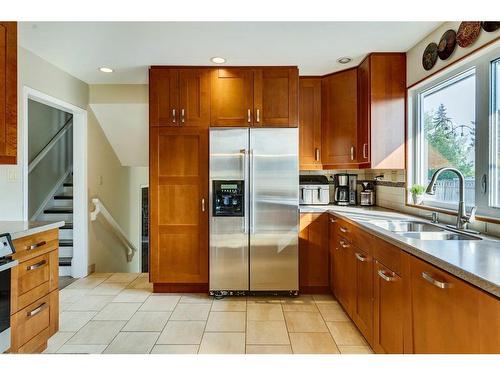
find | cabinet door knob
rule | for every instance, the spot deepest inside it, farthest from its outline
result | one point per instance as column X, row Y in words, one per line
column 249, row 116
column 361, row 257
column 258, row 115
column 203, row 204
column 365, row 150
column 352, row 152
column 317, row 154
column 182, row 115
column 173, row 115
column 383, row 275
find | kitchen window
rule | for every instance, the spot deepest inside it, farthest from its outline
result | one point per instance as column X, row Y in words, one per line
column 454, row 121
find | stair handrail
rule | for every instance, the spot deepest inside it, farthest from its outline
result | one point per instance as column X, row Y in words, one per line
column 99, row 208
column 39, row 157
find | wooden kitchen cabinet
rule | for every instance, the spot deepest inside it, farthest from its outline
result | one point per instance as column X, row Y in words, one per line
column 381, row 111
column 313, row 253
column 445, row 313
column 245, row 96
column 34, row 292
column 310, row 123
column 388, row 307
column 339, row 113
column 276, row 97
column 179, row 97
column 179, row 209
column 362, row 312
column 8, row 92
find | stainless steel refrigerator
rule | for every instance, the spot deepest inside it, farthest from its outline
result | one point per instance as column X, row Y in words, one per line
column 254, row 216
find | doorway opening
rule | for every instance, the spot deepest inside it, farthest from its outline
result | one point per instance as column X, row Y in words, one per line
column 144, row 229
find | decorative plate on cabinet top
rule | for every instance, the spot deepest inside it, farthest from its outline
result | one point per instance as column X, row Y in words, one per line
column 447, row 44
column 468, row 31
column 430, row 56
column 490, row 26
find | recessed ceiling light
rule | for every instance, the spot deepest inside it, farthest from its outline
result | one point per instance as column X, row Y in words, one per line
column 218, row 60
column 344, row 60
column 105, row 69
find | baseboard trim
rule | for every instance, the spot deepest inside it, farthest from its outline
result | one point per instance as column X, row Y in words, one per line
column 179, row 288
column 314, row 290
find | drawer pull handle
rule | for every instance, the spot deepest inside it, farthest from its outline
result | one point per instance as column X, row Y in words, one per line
column 344, row 244
column 433, row 281
column 37, row 245
column 361, row 258
column 343, row 230
column 36, row 265
column 38, row 310
column 384, row 275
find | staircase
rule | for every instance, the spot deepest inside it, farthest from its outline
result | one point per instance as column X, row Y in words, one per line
column 60, row 208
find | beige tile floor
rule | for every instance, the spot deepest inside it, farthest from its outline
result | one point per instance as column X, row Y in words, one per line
column 118, row 313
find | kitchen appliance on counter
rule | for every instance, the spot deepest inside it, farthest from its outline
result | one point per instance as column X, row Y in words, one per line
column 367, row 195
column 254, row 216
column 314, row 189
column 345, row 192
column 6, row 264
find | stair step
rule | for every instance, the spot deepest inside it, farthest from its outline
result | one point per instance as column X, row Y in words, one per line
column 63, row 262
column 59, row 210
column 68, row 184
column 65, row 234
column 67, row 226
column 63, row 242
column 65, row 197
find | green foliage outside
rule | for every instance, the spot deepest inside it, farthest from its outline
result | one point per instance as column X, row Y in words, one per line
column 452, row 144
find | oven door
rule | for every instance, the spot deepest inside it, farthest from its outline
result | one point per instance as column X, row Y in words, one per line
column 5, row 285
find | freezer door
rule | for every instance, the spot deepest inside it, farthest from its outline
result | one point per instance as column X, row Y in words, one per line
column 274, row 214
column 229, row 235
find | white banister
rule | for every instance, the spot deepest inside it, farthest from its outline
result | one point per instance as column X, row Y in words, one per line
column 51, row 144
column 99, row 208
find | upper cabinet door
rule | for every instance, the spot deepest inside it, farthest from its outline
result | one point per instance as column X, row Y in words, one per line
column 194, row 97
column 339, row 119
column 276, row 97
column 8, row 92
column 364, row 117
column 164, row 97
column 310, row 123
column 232, row 97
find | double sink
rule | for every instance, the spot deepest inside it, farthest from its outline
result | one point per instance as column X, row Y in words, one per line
column 423, row 231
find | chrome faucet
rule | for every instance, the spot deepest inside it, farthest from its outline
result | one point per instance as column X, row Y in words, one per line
column 462, row 218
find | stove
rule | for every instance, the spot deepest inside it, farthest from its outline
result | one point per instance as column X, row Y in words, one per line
column 6, row 264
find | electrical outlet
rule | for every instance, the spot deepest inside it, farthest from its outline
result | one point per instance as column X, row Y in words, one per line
column 12, row 175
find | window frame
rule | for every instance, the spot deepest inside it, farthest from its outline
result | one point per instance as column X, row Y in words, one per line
column 482, row 64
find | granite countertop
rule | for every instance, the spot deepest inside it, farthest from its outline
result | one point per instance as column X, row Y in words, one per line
column 19, row 229
column 475, row 261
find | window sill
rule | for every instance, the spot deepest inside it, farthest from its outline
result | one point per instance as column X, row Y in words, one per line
column 452, row 212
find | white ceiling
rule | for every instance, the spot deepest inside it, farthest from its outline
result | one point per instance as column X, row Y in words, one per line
column 126, row 127
column 130, row 47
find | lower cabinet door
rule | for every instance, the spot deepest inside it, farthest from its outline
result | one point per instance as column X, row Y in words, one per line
column 363, row 303
column 344, row 274
column 445, row 316
column 388, row 311
column 179, row 206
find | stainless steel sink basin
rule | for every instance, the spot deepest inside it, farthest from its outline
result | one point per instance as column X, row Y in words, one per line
column 422, row 231
column 439, row 236
column 408, row 226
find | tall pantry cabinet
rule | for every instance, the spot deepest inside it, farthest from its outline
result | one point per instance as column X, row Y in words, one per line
column 179, row 118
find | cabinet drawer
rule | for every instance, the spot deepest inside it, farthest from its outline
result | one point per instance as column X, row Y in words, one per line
column 33, row 279
column 29, row 323
column 387, row 254
column 32, row 273
column 36, row 244
column 356, row 236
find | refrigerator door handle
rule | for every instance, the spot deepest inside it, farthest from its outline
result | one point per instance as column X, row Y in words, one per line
column 244, row 153
column 252, row 195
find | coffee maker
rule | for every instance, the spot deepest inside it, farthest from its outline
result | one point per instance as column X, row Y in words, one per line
column 345, row 189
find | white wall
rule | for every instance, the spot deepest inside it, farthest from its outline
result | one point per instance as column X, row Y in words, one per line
column 38, row 74
column 414, row 69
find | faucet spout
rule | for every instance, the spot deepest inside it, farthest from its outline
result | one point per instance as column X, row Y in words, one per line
column 462, row 218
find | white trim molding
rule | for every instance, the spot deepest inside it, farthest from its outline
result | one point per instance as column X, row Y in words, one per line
column 79, row 267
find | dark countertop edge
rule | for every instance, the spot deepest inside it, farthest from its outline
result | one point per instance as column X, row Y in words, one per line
column 470, row 278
